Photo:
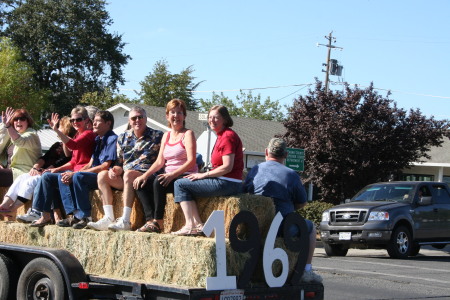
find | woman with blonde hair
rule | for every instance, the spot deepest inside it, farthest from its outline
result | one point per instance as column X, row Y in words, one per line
column 82, row 146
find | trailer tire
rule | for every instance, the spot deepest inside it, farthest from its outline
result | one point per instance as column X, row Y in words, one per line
column 41, row 279
column 8, row 276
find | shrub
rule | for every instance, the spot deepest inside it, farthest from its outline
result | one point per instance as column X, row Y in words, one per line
column 313, row 211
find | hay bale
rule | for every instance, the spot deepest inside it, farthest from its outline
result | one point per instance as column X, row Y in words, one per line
column 163, row 258
column 152, row 258
column 262, row 207
column 137, row 214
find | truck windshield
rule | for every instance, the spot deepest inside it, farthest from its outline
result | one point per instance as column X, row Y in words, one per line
column 385, row 192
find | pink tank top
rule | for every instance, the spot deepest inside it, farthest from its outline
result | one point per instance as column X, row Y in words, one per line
column 176, row 155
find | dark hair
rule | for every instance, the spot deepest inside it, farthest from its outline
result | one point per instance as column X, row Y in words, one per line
column 106, row 116
column 22, row 112
column 176, row 103
column 223, row 111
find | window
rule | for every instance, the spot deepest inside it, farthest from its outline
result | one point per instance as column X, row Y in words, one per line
column 440, row 194
column 417, row 177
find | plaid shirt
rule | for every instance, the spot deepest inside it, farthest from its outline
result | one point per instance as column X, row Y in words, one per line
column 138, row 154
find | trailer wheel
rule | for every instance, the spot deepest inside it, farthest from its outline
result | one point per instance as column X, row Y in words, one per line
column 8, row 275
column 41, row 279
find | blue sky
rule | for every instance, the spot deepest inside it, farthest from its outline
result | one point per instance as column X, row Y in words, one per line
column 402, row 46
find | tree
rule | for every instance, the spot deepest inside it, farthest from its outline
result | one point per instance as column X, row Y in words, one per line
column 18, row 88
column 160, row 86
column 67, row 44
column 206, row 104
column 104, row 100
column 248, row 106
column 356, row 137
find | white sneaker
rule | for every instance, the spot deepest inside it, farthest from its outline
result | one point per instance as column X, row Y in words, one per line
column 310, row 276
column 120, row 224
column 30, row 216
column 101, row 224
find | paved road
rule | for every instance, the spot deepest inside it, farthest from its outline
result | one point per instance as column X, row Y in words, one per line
column 371, row 274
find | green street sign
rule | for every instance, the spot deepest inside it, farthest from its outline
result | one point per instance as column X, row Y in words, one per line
column 295, row 159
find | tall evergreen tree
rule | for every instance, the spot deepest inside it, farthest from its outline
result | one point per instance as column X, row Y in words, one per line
column 160, row 86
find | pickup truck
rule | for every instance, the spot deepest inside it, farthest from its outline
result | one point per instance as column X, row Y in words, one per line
column 398, row 216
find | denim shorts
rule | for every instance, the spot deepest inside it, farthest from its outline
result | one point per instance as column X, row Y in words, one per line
column 186, row 189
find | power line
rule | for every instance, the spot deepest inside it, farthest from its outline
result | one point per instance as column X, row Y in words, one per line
column 393, row 91
column 303, row 85
column 256, row 88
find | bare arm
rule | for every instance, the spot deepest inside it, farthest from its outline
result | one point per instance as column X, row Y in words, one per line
column 157, row 165
column 190, row 145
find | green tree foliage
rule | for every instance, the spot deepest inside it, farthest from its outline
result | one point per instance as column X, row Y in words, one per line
column 356, row 137
column 18, row 88
column 247, row 106
column 105, row 99
column 160, row 86
column 67, row 44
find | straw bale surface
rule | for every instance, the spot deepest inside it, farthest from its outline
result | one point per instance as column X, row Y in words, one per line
column 162, row 258
column 262, row 207
column 137, row 214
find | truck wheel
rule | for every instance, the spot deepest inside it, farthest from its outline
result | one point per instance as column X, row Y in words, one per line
column 335, row 250
column 8, row 278
column 41, row 279
column 414, row 250
column 400, row 244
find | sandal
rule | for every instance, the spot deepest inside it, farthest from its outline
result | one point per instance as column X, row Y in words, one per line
column 185, row 231
column 40, row 224
column 150, row 227
column 5, row 210
column 199, row 229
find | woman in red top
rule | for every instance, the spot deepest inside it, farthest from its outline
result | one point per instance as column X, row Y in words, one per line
column 225, row 177
column 82, row 146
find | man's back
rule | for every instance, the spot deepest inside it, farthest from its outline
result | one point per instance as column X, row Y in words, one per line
column 272, row 179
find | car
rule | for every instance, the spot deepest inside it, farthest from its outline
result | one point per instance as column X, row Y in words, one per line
column 399, row 216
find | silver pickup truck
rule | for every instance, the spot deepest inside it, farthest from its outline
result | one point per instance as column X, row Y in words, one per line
column 396, row 216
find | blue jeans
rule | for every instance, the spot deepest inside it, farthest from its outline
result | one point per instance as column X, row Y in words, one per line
column 82, row 184
column 46, row 193
column 185, row 189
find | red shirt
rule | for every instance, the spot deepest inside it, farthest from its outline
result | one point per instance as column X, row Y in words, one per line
column 82, row 148
column 228, row 142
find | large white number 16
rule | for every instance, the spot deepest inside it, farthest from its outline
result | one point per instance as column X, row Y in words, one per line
column 216, row 222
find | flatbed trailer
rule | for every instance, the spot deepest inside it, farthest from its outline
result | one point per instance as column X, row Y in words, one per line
column 30, row 272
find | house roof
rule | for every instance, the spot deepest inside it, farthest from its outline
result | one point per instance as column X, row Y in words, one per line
column 255, row 134
column 440, row 156
column 47, row 137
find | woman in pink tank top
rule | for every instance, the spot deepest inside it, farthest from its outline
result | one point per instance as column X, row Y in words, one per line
column 177, row 157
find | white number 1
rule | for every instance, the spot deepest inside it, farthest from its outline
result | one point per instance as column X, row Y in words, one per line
column 216, row 221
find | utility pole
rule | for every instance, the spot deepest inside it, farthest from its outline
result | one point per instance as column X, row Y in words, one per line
column 331, row 40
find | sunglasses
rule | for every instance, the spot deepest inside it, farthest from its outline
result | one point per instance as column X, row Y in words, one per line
column 76, row 120
column 20, row 119
column 136, row 118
